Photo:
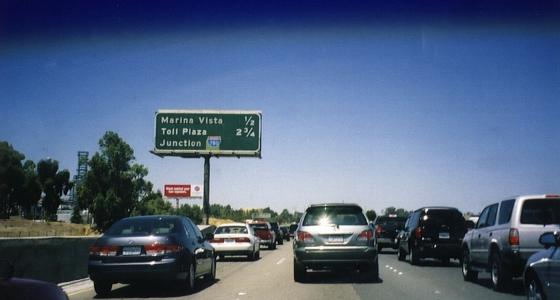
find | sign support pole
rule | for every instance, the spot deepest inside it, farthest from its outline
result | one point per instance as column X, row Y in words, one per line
column 206, row 199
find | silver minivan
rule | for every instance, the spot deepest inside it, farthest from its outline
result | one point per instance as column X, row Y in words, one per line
column 335, row 235
column 506, row 235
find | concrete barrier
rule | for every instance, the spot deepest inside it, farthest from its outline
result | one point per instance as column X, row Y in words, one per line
column 53, row 259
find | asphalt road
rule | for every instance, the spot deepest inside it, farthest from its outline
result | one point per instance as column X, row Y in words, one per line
column 271, row 277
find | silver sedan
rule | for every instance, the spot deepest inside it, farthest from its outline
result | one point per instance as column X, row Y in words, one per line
column 236, row 239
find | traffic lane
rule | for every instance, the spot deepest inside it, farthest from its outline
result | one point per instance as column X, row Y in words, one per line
column 226, row 267
column 272, row 278
column 430, row 280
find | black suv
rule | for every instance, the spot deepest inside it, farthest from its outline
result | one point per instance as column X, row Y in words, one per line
column 386, row 230
column 435, row 232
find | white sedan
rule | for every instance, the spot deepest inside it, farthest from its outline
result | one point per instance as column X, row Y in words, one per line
column 236, row 239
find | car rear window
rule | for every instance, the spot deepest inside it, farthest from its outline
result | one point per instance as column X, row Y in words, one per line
column 144, row 226
column 334, row 215
column 259, row 226
column 541, row 211
column 437, row 217
column 231, row 229
column 390, row 222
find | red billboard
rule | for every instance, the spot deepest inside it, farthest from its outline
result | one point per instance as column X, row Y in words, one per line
column 177, row 190
column 183, row 191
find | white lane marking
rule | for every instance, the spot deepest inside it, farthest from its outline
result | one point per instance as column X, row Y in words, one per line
column 437, row 292
column 241, row 294
column 386, row 266
column 80, row 291
column 400, row 273
column 395, row 270
column 281, row 261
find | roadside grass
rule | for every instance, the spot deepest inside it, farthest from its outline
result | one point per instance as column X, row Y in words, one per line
column 19, row 227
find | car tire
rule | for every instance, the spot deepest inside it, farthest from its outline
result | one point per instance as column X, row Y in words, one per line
column 299, row 272
column 372, row 272
column 271, row 246
column 499, row 273
column 401, row 255
column 414, row 258
column 379, row 248
column 534, row 289
column 102, row 288
column 190, row 282
column 281, row 242
column 468, row 273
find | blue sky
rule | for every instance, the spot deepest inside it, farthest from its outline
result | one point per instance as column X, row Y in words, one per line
column 381, row 113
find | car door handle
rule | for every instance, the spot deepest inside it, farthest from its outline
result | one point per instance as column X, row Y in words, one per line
column 479, row 235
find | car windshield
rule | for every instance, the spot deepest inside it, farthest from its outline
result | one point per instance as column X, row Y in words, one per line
column 144, row 226
column 541, row 211
column 334, row 216
column 230, row 229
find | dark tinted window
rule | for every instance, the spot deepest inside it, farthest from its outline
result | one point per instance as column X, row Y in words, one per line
column 144, row 226
column 492, row 213
column 231, row 229
column 435, row 218
column 293, row 228
column 337, row 215
column 414, row 220
column 274, row 226
column 541, row 211
column 391, row 222
column 505, row 211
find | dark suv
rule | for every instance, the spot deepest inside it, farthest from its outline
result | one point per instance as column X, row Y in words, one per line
column 279, row 233
column 386, row 230
column 435, row 232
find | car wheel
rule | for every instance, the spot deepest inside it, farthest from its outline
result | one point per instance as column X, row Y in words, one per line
column 379, row 248
column 468, row 274
column 414, row 259
column 221, row 256
column 281, row 242
column 401, row 255
column 299, row 272
column 499, row 273
column 102, row 288
column 371, row 273
column 258, row 255
column 191, row 277
column 534, row 290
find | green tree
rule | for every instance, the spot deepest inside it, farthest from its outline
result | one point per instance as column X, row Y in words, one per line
column 285, row 217
column 194, row 212
column 400, row 212
column 371, row 215
column 11, row 178
column 30, row 192
column 153, row 204
column 113, row 186
column 54, row 184
column 76, row 215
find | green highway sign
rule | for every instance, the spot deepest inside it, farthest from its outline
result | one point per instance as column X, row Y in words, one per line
column 196, row 133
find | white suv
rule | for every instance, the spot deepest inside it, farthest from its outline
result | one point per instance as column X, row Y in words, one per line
column 506, row 235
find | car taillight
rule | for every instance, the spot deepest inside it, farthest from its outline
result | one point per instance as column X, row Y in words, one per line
column 552, row 196
column 304, row 236
column 366, row 235
column 378, row 230
column 418, row 233
column 242, row 240
column 217, row 240
column 160, row 249
column 514, row 237
column 103, row 250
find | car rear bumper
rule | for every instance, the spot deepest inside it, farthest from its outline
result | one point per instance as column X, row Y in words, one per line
column 333, row 256
column 437, row 250
column 387, row 242
column 166, row 269
column 240, row 248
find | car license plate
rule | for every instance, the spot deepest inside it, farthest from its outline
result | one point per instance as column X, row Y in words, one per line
column 444, row 235
column 229, row 241
column 335, row 239
column 131, row 251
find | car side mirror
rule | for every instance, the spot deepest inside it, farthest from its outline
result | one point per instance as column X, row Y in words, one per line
column 470, row 224
column 209, row 236
column 548, row 239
